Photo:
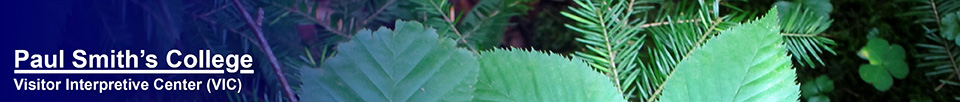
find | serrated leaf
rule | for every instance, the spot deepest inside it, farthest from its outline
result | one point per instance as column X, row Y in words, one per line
column 523, row 76
column 760, row 73
column 407, row 64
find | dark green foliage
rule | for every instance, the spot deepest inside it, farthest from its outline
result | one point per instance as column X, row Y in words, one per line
column 803, row 21
column 478, row 29
column 816, row 90
column 941, row 56
column 542, row 24
column 611, row 39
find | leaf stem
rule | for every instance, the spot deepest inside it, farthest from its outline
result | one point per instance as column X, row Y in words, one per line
column 610, row 51
column 267, row 50
column 953, row 62
column 667, row 23
column 956, row 71
column 941, row 84
column 378, row 11
column 449, row 19
column 799, row 35
column 311, row 18
column 703, row 38
column 936, row 14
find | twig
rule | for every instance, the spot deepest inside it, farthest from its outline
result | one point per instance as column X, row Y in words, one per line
column 941, row 84
column 610, row 52
column 235, row 31
column 953, row 61
column 935, row 13
column 204, row 18
column 666, row 23
column 215, row 10
column 799, row 35
column 313, row 19
column 378, row 11
column 267, row 50
column 483, row 19
column 851, row 92
column 449, row 20
column 702, row 38
column 244, row 35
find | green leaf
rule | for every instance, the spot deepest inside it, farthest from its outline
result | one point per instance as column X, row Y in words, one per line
column 523, row 76
column 885, row 60
column 761, row 72
column 408, row 64
column 809, row 89
column 951, row 27
column 686, row 25
column 824, row 83
column 890, row 57
column 876, row 76
column 818, row 98
column 820, row 85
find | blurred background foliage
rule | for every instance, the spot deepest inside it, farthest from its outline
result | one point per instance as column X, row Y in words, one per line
column 302, row 33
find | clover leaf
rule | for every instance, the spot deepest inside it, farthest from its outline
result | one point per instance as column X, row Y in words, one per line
column 815, row 90
column 886, row 61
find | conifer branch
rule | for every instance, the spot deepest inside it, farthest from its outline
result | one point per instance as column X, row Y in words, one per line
column 379, row 10
column 799, row 35
column 265, row 47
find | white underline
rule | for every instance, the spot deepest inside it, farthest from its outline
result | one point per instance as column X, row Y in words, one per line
column 246, row 71
column 221, row 71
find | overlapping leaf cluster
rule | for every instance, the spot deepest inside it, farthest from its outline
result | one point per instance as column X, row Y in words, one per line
column 413, row 64
column 680, row 27
column 757, row 71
